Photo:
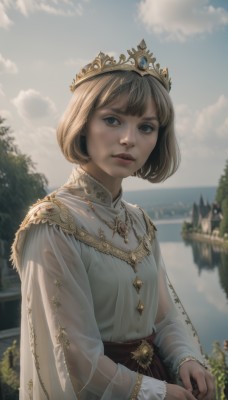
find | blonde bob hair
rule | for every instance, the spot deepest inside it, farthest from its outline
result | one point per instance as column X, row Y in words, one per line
column 102, row 90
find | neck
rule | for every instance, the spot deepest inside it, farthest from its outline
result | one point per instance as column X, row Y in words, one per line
column 113, row 185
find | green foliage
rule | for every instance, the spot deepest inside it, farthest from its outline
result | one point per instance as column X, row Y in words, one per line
column 219, row 369
column 187, row 228
column 20, row 185
column 9, row 373
column 223, row 228
column 222, row 190
column 222, row 199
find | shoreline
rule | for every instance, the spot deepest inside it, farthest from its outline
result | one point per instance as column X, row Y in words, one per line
column 201, row 237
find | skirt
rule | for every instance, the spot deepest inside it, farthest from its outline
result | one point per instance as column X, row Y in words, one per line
column 141, row 356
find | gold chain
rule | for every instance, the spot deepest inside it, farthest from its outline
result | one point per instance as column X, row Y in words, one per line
column 118, row 226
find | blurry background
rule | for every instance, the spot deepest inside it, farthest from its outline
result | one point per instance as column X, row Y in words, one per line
column 43, row 44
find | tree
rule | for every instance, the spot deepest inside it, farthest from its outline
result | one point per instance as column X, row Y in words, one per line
column 222, row 199
column 20, row 184
column 223, row 227
column 222, row 190
column 219, row 368
column 9, row 373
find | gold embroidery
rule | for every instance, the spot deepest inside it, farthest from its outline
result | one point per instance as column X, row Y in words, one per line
column 137, row 387
column 58, row 283
column 104, row 246
column 53, row 211
column 101, row 234
column 143, row 354
column 50, row 210
column 117, row 225
column 183, row 312
column 189, row 358
column 89, row 187
column 56, row 302
column 188, row 322
column 33, row 344
column 30, row 389
column 62, row 337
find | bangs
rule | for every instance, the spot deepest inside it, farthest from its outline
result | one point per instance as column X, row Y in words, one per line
column 135, row 93
column 137, row 90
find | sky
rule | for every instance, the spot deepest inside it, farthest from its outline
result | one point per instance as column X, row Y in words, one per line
column 43, row 44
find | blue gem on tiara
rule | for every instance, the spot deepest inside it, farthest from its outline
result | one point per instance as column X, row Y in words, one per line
column 143, row 63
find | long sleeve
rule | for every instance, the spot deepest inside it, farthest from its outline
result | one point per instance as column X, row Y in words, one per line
column 79, row 289
column 172, row 336
column 58, row 320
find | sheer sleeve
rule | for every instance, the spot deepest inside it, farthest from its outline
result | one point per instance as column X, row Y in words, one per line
column 174, row 334
column 58, row 320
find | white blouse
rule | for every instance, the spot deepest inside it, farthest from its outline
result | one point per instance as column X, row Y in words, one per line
column 79, row 289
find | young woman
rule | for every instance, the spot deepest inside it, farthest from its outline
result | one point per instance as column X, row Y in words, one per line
column 98, row 318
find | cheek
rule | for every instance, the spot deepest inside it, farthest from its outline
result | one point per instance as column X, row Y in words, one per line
column 150, row 144
column 98, row 142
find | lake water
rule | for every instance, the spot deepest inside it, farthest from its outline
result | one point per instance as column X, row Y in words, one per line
column 198, row 271
column 199, row 274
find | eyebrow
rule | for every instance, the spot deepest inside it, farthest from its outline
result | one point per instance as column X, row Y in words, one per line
column 119, row 111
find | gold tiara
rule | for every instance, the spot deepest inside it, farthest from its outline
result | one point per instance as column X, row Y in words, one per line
column 141, row 61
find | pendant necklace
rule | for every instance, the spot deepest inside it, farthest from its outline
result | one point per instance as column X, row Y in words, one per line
column 122, row 228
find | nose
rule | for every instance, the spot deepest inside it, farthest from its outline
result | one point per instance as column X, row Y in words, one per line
column 128, row 136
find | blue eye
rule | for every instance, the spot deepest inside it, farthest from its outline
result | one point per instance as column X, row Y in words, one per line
column 146, row 128
column 112, row 121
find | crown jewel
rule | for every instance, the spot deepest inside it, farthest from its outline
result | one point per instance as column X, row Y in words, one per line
column 141, row 61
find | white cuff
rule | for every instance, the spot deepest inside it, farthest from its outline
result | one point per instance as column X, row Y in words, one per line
column 152, row 389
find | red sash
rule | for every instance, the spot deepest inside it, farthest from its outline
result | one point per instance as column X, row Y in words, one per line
column 138, row 355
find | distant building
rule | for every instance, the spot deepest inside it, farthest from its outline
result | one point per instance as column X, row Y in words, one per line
column 206, row 217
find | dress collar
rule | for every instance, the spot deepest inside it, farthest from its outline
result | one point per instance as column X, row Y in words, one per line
column 85, row 186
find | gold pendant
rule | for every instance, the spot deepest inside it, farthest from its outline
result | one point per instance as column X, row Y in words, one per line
column 137, row 284
column 143, row 354
column 140, row 307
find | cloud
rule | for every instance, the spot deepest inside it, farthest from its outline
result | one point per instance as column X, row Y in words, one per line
column 67, row 8
column 5, row 22
column 81, row 62
column 56, row 7
column 1, row 91
column 181, row 19
column 6, row 114
column 210, row 120
column 31, row 105
column 203, row 133
column 7, row 66
column 76, row 62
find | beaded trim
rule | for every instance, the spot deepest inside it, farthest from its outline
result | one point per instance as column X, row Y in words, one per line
column 190, row 358
column 53, row 211
column 33, row 345
column 137, row 387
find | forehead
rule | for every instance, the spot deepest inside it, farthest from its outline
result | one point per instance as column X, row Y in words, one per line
column 123, row 105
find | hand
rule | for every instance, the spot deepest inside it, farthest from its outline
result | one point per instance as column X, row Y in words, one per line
column 175, row 392
column 197, row 380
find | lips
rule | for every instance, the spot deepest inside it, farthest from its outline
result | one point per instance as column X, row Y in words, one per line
column 124, row 156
